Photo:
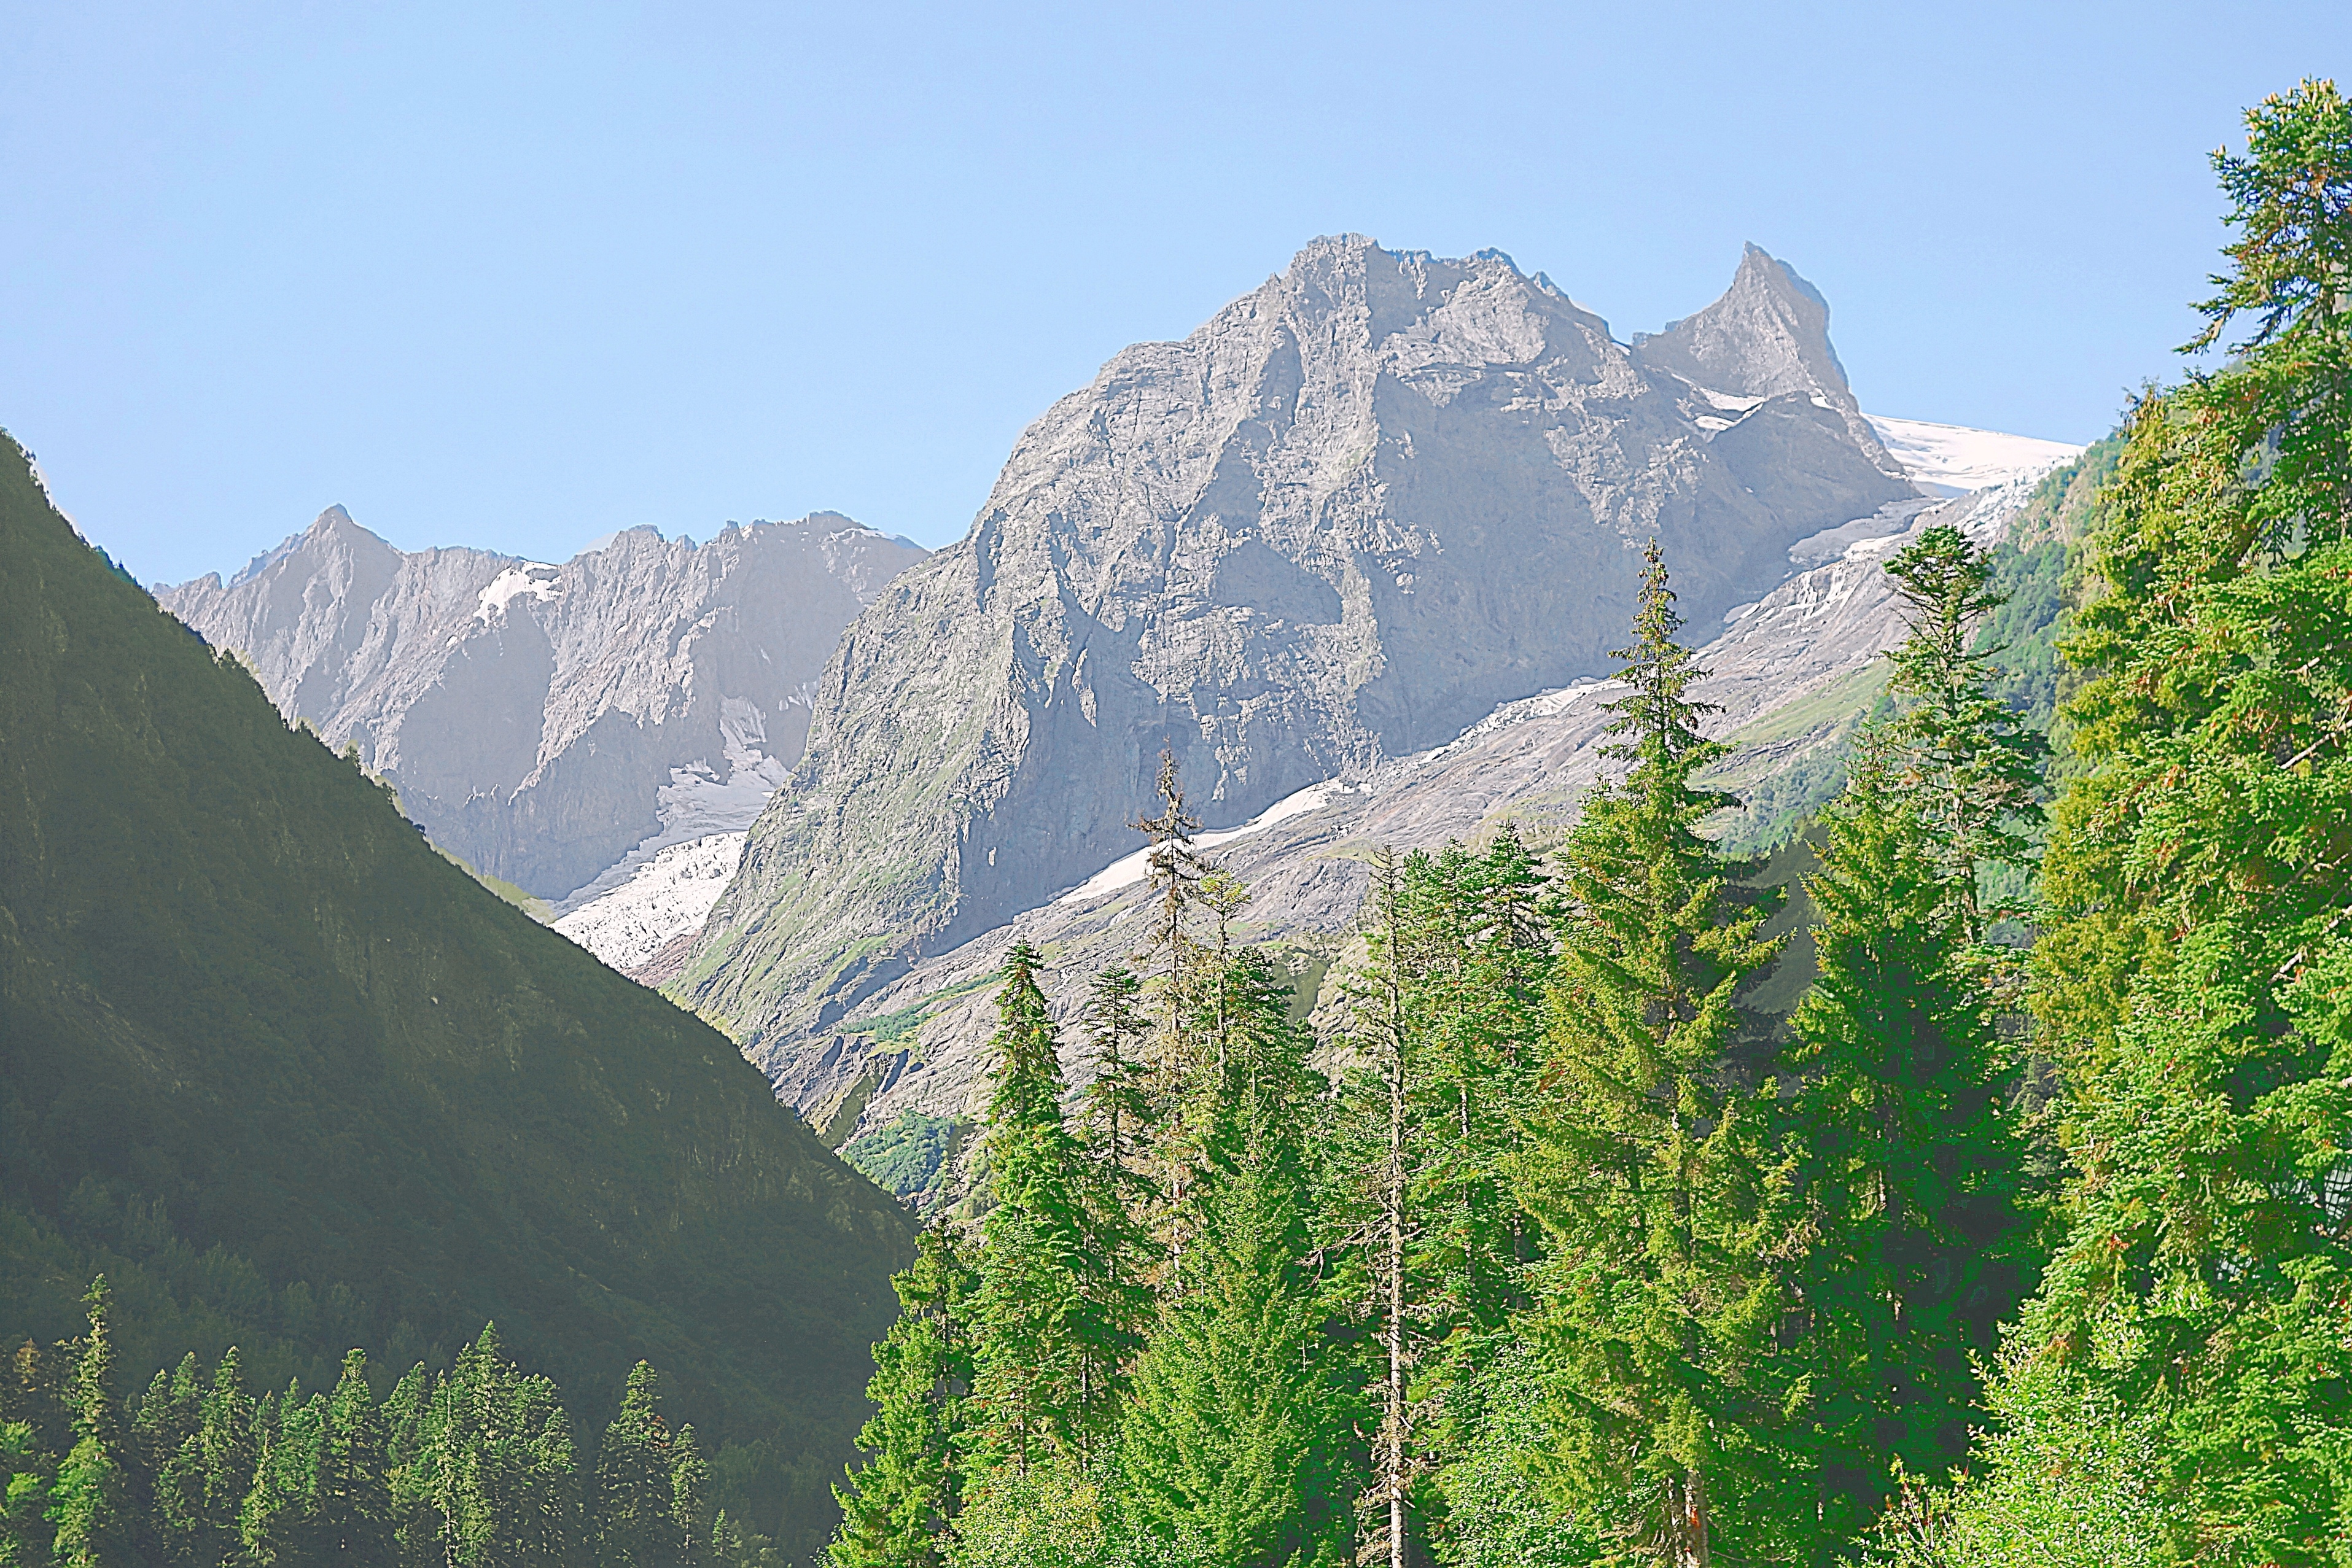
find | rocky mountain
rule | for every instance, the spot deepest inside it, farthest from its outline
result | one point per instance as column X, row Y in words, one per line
column 1341, row 524
column 295, row 1083
column 554, row 726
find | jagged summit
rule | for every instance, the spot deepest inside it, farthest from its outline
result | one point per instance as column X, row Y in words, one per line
column 548, row 722
column 1768, row 336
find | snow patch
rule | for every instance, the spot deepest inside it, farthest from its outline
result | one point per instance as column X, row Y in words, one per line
column 1953, row 460
column 1129, row 870
column 530, row 578
column 669, row 895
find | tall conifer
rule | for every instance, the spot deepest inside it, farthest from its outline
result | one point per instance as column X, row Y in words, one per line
column 91, row 1504
column 1046, row 1350
column 1648, row 1174
column 2195, row 966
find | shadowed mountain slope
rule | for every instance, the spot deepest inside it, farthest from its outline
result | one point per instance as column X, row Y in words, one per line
column 295, row 1082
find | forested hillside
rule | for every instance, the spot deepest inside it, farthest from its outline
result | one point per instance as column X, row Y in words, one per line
column 294, row 1083
column 1992, row 1205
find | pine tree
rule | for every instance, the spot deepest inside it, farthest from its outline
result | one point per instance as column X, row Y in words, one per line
column 90, row 1501
column 1647, row 1172
column 499, row 1464
column 1175, row 872
column 2193, row 970
column 1045, row 1352
column 902, row 1502
column 279, row 1521
column 170, row 1471
column 1237, row 1430
column 1909, row 1170
column 635, row 1507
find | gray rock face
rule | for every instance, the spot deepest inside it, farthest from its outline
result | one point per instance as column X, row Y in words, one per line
column 548, row 723
column 1338, row 525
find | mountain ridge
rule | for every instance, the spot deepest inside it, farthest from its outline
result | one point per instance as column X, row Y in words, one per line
column 1343, row 520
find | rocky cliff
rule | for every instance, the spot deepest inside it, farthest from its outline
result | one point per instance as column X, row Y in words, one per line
column 1339, row 525
column 555, row 724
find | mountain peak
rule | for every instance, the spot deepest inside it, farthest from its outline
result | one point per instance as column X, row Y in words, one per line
column 332, row 527
column 1768, row 334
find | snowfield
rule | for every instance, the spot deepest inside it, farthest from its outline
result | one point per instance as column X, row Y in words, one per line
column 1952, row 460
column 671, row 895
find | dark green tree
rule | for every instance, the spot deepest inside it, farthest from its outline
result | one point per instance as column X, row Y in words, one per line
column 352, row 1491
column 1909, row 1167
column 165, row 1441
column 228, row 1453
column 1239, row 1432
column 1964, row 764
column 902, row 1502
column 498, row 1464
column 1648, row 1168
column 690, row 1498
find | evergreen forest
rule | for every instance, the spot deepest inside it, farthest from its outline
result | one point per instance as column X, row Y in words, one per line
column 1981, row 1192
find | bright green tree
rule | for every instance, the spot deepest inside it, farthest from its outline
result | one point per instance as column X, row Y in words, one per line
column 902, row 1502
column 228, row 1454
column 496, row 1466
column 1648, row 1170
column 2196, row 966
column 1238, row 1430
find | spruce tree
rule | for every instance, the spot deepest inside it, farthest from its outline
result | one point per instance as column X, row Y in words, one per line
column 1647, row 1170
column 1046, row 1351
column 635, row 1504
column 690, row 1498
column 1238, row 1432
column 227, row 1456
column 1909, row 1170
column 170, row 1480
column 500, row 1467
column 902, row 1502
column 90, row 1502
column 1967, row 767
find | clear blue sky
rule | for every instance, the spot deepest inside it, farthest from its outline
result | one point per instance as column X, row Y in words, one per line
column 517, row 276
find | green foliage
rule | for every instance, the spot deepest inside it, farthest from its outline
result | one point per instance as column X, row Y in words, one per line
column 293, row 1081
column 1048, row 1340
column 908, row 1158
column 902, row 1502
column 1912, row 1239
column 2067, row 1479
